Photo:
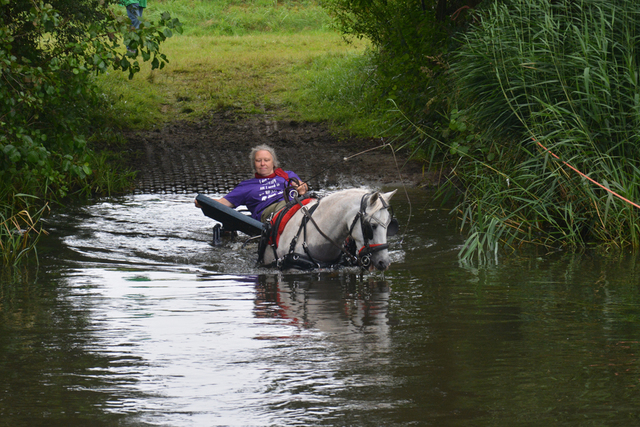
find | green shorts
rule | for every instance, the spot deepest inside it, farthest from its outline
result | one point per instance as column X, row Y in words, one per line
column 271, row 209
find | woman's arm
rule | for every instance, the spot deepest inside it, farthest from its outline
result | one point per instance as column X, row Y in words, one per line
column 220, row 200
column 225, row 202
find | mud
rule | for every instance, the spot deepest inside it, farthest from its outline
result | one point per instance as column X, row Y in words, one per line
column 211, row 156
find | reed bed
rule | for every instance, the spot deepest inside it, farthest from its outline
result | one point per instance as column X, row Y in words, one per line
column 549, row 85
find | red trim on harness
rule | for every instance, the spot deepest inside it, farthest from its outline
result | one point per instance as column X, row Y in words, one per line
column 287, row 216
column 371, row 246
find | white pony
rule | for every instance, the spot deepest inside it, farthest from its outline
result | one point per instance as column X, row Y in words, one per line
column 315, row 235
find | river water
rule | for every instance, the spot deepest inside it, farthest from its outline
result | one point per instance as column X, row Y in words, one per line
column 134, row 319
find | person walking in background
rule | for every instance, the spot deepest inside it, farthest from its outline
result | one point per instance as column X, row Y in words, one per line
column 134, row 11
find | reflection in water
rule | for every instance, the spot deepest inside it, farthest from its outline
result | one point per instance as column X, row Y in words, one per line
column 136, row 319
column 312, row 302
column 340, row 338
column 169, row 347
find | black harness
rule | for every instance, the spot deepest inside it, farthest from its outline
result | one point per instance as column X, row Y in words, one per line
column 270, row 231
column 349, row 256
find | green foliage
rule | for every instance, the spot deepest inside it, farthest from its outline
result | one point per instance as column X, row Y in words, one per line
column 47, row 60
column 342, row 90
column 48, row 103
column 412, row 41
column 563, row 74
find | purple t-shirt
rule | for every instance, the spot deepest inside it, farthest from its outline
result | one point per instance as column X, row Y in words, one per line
column 258, row 193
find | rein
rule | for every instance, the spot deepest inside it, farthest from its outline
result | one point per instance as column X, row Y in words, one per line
column 363, row 257
column 309, row 217
column 393, row 152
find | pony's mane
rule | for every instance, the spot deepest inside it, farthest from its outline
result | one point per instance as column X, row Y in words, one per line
column 373, row 205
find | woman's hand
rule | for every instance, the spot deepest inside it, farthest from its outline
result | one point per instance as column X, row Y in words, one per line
column 301, row 188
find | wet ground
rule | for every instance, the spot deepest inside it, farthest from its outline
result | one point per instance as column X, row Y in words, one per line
column 211, row 156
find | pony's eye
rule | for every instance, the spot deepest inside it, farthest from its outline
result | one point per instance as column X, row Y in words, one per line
column 374, row 226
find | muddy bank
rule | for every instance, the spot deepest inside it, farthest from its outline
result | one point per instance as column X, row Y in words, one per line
column 212, row 156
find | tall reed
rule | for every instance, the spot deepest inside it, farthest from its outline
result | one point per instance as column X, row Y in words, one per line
column 19, row 230
column 564, row 74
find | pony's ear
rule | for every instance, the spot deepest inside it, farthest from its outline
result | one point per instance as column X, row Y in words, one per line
column 388, row 196
column 375, row 203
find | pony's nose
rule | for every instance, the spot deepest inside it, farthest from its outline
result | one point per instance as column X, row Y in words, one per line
column 382, row 265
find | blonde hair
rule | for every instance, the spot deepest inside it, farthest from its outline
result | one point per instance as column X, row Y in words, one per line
column 263, row 147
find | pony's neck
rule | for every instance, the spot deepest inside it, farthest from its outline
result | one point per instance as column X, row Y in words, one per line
column 334, row 220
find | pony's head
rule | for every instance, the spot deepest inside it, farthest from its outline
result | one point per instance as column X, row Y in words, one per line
column 370, row 228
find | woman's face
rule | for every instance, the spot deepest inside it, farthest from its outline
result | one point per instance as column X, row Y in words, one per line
column 263, row 162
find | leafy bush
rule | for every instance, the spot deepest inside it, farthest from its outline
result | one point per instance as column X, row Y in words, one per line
column 48, row 54
column 47, row 58
column 412, row 41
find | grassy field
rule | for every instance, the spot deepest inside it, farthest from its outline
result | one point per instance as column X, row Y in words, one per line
column 254, row 56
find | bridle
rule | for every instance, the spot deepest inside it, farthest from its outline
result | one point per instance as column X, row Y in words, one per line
column 365, row 252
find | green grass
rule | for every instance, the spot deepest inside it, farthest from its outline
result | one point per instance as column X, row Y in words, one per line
column 253, row 73
column 342, row 90
column 240, row 18
column 267, row 65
